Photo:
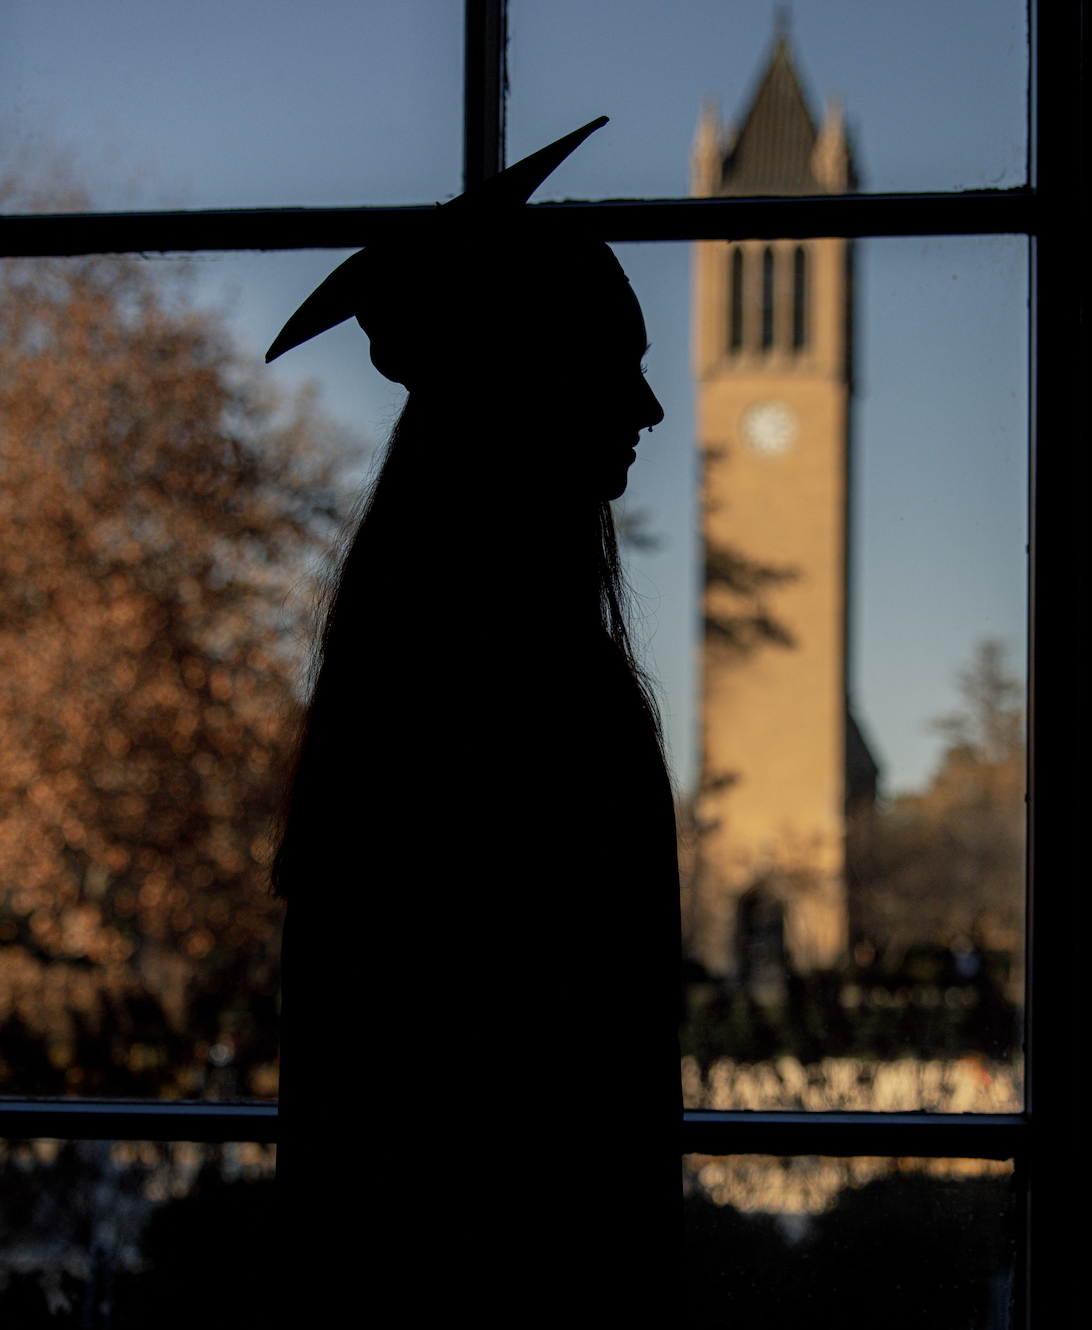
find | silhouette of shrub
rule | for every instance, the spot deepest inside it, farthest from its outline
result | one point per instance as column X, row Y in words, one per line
column 902, row 1252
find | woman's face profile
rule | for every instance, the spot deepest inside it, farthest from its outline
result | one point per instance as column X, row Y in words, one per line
column 565, row 343
column 607, row 400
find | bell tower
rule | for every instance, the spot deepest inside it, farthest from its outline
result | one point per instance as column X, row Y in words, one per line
column 772, row 350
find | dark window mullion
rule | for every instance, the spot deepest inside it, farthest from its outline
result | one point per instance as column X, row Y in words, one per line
column 917, row 1135
column 484, row 90
column 924, row 1135
column 1057, row 729
column 853, row 215
column 137, row 1120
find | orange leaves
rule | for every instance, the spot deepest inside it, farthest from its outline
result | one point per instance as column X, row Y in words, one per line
column 221, row 685
column 81, row 932
column 199, row 943
column 194, row 673
column 154, row 890
column 150, row 504
column 114, row 739
column 158, row 511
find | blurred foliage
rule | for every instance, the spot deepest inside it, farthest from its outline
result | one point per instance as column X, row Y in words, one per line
column 169, row 1235
column 166, row 1234
column 213, row 1249
column 160, row 504
column 738, row 581
column 925, row 1009
column 634, row 531
column 944, row 866
column 906, row 1250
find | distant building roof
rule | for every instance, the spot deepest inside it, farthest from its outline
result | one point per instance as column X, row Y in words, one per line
column 775, row 151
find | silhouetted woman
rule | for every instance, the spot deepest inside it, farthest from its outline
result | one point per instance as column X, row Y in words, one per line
column 479, row 1071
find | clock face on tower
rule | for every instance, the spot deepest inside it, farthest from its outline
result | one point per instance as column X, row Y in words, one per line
column 768, row 428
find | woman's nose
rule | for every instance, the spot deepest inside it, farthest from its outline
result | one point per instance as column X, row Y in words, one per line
column 653, row 412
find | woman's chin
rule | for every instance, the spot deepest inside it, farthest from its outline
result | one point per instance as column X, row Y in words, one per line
column 613, row 481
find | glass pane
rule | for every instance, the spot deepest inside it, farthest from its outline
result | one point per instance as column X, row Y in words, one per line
column 908, row 1241
column 126, row 1233
column 129, row 1232
column 131, row 106
column 138, row 953
column 925, row 97
column 854, row 856
column 163, row 507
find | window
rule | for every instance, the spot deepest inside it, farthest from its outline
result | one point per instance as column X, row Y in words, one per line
column 799, row 298
column 1043, row 1140
column 735, row 297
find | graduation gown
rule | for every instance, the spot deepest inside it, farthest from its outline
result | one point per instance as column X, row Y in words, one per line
column 480, row 1097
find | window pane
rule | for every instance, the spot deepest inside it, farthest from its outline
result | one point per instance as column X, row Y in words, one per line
column 212, row 106
column 908, row 1242
column 139, row 951
column 163, row 505
column 119, row 1233
column 139, row 1226
column 930, row 97
column 853, row 875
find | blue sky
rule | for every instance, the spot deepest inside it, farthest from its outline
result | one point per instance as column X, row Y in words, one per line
column 338, row 103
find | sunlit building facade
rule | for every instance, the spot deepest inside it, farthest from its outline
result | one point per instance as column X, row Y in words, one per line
column 782, row 759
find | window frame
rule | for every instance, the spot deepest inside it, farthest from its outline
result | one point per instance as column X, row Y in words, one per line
column 1043, row 1139
column 801, row 277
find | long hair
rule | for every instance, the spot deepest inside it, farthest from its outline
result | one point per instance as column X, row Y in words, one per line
column 429, row 495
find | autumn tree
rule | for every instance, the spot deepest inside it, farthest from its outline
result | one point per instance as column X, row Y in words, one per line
column 944, row 865
column 159, row 504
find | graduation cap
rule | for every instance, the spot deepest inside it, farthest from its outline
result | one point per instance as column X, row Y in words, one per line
column 382, row 295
